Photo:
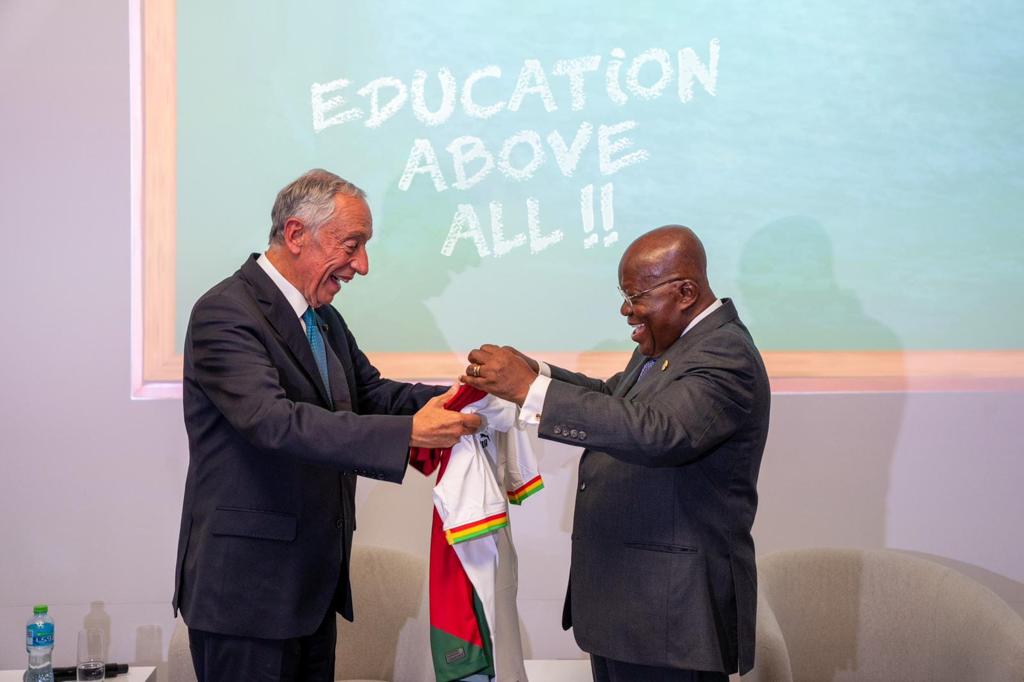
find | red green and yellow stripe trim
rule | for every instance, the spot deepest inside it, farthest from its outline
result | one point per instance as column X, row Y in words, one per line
column 476, row 529
column 534, row 485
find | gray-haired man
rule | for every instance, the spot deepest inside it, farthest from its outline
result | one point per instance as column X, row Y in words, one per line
column 283, row 411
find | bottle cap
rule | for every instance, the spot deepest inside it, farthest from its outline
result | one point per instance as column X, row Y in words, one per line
column 40, row 608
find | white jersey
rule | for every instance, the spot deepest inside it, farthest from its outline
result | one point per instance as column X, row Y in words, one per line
column 484, row 473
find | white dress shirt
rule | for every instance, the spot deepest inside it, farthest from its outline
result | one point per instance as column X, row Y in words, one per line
column 294, row 297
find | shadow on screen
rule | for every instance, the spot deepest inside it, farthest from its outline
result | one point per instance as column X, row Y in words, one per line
column 825, row 475
column 392, row 314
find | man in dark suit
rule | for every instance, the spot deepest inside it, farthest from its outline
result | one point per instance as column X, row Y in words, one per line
column 662, row 584
column 283, row 411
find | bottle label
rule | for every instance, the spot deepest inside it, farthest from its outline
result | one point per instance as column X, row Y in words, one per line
column 39, row 634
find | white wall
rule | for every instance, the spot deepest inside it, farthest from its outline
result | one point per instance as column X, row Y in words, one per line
column 91, row 481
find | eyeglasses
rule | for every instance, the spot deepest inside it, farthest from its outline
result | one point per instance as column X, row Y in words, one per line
column 632, row 298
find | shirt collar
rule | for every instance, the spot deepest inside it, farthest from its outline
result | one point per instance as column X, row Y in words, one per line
column 704, row 313
column 294, row 297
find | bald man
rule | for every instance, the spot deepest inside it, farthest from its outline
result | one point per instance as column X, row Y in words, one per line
column 662, row 584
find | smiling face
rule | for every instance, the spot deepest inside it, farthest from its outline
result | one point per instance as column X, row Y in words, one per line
column 334, row 254
column 667, row 266
column 657, row 317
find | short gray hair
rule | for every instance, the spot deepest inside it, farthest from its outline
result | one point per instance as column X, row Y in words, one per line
column 310, row 198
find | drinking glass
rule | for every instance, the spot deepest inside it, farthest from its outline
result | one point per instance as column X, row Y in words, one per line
column 90, row 654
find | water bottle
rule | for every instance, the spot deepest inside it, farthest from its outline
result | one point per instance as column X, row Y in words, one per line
column 39, row 644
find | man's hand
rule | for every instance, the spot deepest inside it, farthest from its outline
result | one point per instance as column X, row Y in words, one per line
column 525, row 358
column 435, row 427
column 501, row 371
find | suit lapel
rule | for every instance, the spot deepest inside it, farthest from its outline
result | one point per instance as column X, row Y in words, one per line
column 340, row 389
column 655, row 374
column 725, row 314
column 282, row 318
column 629, row 375
column 678, row 351
column 337, row 343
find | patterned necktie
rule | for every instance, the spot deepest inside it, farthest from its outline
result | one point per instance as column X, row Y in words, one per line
column 316, row 342
column 643, row 370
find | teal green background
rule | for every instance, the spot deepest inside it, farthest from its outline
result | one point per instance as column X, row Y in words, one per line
column 857, row 180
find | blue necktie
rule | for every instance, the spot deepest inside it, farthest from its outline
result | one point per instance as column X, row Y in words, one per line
column 316, row 342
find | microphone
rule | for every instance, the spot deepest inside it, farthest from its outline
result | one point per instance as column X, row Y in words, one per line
column 71, row 672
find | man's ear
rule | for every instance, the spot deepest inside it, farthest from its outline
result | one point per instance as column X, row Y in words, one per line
column 689, row 292
column 295, row 235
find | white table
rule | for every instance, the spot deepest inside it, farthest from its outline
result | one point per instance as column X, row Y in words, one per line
column 135, row 674
column 539, row 670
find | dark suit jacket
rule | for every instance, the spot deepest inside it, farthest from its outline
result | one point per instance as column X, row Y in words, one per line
column 662, row 557
column 268, row 512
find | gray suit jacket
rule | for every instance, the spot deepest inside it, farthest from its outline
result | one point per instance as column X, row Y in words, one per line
column 662, row 557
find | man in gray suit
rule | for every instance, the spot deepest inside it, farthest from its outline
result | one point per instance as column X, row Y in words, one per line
column 662, row 584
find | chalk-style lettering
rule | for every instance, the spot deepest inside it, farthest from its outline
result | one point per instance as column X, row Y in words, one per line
column 574, row 69
column 465, row 150
column 465, row 225
column 532, row 81
column 379, row 114
column 568, row 158
column 422, row 159
column 690, row 65
column 471, row 108
column 322, row 107
column 606, row 147
column 502, row 245
column 419, row 102
column 527, row 137
column 607, row 215
column 538, row 241
column 587, row 216
column 664, row 62
column 621, row 82
column 611, row 77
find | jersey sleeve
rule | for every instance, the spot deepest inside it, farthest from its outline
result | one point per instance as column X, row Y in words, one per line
column 518, row 462
column 467, row 497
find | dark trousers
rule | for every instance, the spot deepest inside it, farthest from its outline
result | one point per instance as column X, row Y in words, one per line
column 225, row 658
column 608, row 670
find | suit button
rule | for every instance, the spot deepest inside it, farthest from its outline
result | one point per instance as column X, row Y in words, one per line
column 338, row 523
column 573, row 433
column 558, row 430
column 583, row 434
column 583, row 486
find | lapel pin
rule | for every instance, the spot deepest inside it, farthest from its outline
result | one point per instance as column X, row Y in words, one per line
column 664, row 366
